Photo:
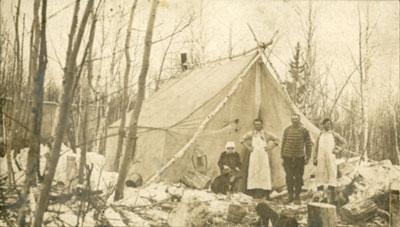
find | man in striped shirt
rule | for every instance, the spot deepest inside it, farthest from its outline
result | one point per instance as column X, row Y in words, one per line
column 295, row 138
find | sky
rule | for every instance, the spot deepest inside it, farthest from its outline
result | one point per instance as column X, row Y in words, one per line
column 336, row 34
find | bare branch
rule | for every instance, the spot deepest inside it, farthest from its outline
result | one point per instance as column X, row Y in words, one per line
column 176, row 31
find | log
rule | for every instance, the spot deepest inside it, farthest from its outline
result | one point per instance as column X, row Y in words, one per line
column 358, row 210
column 394, row 208
column 321, row 215
column 196, row 180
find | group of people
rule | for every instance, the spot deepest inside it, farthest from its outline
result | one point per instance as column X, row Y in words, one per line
column 296, row 152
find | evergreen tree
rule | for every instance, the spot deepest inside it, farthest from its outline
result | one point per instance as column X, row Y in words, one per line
column 296, row 87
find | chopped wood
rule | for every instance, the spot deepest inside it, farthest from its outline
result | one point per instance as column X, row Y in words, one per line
column 358, row 210
column 196, row 180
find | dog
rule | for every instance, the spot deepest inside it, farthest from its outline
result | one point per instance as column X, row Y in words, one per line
column 222, row 184
column 278, row 220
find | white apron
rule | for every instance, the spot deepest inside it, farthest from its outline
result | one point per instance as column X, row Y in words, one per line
column 259, row 176
column 326, row 166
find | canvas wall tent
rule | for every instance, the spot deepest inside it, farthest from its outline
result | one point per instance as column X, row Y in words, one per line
column 170, row 118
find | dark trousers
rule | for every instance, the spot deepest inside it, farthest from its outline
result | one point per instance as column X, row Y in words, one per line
column 294, row 169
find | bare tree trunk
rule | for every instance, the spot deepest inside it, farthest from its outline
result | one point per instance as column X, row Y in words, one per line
column 10, row 171
column 99, row 98
column 33, row 61
column 364, row 66
column 16, row 98
column 37, row 109
column 68, row 81
column 125, row 98
column 396, row 138
column 18, row 133
column 82, row 162
column 107, row 101
column 86, row 94
column 130, row 146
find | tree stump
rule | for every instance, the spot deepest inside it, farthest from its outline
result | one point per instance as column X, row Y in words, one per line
column 321, row 215
column 196, row 180
column 395, row 204
column 358, row 210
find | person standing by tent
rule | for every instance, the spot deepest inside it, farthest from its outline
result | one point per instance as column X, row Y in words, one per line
column 324, row 158
column 259, row 174
column 295, row 138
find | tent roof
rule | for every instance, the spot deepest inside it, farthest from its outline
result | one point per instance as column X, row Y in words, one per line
column 184, row 96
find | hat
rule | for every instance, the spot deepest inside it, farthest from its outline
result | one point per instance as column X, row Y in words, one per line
column 230, row 144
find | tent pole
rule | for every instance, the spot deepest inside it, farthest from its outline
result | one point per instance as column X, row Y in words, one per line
column 203, row 125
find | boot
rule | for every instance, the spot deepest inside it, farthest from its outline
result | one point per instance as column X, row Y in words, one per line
column 290, row 198
column 297, row 199
column 297, row 191
column 330, row 195
column 318, row 195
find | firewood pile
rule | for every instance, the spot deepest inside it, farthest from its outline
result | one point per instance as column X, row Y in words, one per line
column 362, row 195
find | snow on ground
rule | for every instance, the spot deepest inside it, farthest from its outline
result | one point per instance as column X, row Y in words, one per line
column 114, row 218
column 154, row 204
column 100, row 179
column 374, row 177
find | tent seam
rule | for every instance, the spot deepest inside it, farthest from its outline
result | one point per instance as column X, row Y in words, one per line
column 218, row 93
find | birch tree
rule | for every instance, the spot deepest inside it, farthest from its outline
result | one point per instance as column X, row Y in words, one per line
column 365, row 64
column 37, row 107
column 66, row 98
column 132, row 133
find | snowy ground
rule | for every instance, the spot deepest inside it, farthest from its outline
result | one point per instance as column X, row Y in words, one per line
column 165, row 204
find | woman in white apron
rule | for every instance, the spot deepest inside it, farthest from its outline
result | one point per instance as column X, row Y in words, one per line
column 259, row 172
column 325, row 160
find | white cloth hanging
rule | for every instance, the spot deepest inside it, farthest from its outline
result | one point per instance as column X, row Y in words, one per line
column 259, row 175
column 326, row 166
